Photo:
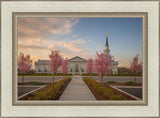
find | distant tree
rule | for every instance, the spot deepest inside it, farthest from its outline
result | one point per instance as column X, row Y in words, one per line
column 56, row 62
column 90, row 66
column 136, row 67
column 24, row 64
column 64, row 67
column 103, row 65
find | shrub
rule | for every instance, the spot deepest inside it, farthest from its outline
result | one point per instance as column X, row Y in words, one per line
column 86, row 74
column 101, row 90
column 96, row 85
column 108, row 93
column 110, row 82
column 130, row 83
column 118, row 97
column 50, row 92
column 105, row 92
column 40, row 95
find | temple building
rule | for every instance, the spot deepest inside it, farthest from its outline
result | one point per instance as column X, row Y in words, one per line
column 77, row 65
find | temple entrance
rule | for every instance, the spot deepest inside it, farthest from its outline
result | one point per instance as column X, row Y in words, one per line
column 76, row 70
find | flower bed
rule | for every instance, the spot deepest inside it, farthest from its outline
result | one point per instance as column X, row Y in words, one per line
column 51, row 92
column 103, row 92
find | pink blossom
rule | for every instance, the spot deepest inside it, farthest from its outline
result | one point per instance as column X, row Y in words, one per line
column 135, row 66
column 103, row 64
column 64, row 67
column 24, row 63
column 90, row 66
column 56, row 61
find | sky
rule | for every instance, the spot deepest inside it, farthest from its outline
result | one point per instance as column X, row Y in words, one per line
column 81, row 37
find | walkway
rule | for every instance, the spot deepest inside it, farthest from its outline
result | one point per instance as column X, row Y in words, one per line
column 77, row 90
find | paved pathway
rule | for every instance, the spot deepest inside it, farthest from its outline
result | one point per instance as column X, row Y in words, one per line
column 77, row 90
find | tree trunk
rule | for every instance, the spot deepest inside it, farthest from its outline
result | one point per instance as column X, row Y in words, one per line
column 135, row 78
column 101, row 79
column 53, row 80
column 23, row 78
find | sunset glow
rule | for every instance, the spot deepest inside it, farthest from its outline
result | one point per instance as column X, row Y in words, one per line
column 80, row 37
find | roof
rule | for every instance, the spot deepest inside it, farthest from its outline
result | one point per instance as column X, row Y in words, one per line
column 42, row 62
column 77, row 57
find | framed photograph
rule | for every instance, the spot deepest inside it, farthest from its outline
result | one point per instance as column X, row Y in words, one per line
column 80, row 59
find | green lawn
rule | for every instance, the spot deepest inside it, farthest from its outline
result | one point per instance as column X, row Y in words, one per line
column 33, row 83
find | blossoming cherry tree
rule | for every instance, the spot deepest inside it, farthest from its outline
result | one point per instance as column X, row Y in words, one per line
column 103, row 64
column 64, row 67
column 24, row 64
column 90, row 66
column 136, row 67
column 56, row 62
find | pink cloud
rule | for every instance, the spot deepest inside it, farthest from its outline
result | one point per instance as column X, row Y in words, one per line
column 40, row 27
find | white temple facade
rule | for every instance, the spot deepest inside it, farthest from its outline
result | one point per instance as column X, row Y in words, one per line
column 77, row 65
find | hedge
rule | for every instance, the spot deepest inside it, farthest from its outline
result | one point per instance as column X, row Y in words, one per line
column 102, row 92
column 45, row 74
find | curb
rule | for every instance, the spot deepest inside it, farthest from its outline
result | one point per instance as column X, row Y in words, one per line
column 31, row 92
column 134, row 97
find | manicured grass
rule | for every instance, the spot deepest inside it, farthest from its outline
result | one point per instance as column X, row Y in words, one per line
column 102, row 92
column 44, row 74
column 21, row 83
column 110, row 82
column 32, row 83
column 130, row 83
column 51, row 92
column 69, row 74
column 120, row 74
column 37, row 83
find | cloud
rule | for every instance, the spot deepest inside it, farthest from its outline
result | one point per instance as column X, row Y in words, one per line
column 73, row 45
column 32, row 32
column 68, row 48
column 74, row 35
column 41, row 27
column 37, row 36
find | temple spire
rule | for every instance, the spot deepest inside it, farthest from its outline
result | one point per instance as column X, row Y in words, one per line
column 106, row 38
